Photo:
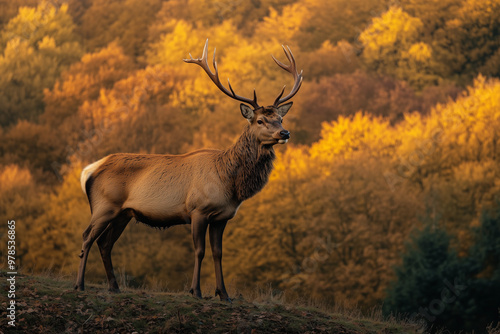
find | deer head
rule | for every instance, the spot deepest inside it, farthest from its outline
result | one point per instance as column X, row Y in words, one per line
column 265, row 122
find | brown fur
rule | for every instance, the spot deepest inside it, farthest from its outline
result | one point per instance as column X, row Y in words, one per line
column 200, row 188
column 242, row 170
column 204, row 188
column 246, row 166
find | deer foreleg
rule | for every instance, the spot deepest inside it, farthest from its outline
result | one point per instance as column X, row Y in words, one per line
column 215, row 231
column 198, row 230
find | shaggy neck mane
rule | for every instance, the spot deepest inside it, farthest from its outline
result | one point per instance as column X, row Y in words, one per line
column 246, row 165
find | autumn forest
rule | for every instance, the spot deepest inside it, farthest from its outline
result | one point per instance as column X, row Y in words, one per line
column 386, row 196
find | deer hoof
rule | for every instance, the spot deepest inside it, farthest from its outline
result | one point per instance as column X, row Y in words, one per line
column 223, row 296
column 196, row 294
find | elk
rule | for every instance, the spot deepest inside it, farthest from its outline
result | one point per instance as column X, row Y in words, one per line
column 203, row 188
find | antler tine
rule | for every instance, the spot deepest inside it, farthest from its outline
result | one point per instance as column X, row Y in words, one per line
column 215, row 63
column 203, row 63
column 280, row 64
column 292, row 68
column 290, row 55
column 231, row 88
column 204, row 56
column 291, row 60
column 281, row 94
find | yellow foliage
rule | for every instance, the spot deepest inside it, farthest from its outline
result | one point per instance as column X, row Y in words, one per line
column 292, row 164
column 12, row 49
column 394, row 28
column 420, row 52
column 13, row 176
column 185, row 38
column 282, row 28
column 468, row 126
column 391, row 46
column 348, row 135
column 48, row 11
column 129, row 96
column 34, row 24
column 47, row 43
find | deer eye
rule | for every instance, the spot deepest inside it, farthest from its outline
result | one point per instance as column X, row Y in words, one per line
column 259, row 122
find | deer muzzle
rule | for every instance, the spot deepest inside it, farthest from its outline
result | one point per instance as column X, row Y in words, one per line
column 285, row 135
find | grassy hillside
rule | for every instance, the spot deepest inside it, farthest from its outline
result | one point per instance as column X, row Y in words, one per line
column 50, row 305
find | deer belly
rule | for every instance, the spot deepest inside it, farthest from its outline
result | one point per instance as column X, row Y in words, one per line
column 158, row 209
column 163, row 221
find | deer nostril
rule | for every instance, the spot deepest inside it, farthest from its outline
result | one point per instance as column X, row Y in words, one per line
column 285, row 134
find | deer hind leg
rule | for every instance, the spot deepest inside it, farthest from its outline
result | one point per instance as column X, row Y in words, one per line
column 198, row 230
column 106, row 242
column 98, row 223
column 215, row 231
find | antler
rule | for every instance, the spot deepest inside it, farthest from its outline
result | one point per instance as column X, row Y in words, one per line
column 292, row 68
column 215, row 77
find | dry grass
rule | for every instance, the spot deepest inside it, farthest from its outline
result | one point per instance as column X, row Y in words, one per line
column 47, row 303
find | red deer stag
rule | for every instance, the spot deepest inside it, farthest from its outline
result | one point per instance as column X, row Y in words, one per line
column 203, row 188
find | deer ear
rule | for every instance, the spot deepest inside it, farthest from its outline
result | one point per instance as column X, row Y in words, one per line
column 282, row 110
column 247, row 112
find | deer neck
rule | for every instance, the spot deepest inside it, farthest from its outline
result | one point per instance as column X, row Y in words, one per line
column 246, row 166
